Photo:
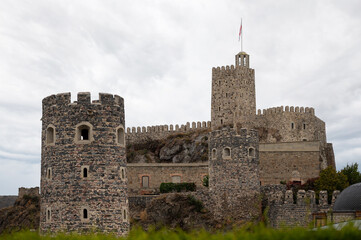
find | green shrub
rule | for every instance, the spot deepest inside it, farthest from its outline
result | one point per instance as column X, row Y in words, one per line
column 177, row 187
column 206, row 181
column 196, row 203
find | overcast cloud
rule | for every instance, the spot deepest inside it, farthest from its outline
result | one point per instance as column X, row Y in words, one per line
column 158, row 55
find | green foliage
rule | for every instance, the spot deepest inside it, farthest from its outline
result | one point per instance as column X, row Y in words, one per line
column 245, row 233
column 331, row 180
column 206, row 181
column 177, row 187
column 196, row 203
column 352, row 173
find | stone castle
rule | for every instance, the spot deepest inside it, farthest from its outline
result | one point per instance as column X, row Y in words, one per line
column 86, row 182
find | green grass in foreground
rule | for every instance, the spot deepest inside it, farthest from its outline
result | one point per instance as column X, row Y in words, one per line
column 249, row 233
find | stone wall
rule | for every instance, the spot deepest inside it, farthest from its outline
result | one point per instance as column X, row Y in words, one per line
column 136, row 135
column 234, row 174
column 77, row 136
column 158, row 173
column 28, row 191
column 297, row 161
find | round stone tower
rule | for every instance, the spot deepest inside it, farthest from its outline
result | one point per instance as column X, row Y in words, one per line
column 234, row 182
column 83, row 164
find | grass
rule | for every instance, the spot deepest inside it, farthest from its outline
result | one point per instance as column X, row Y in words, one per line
column 246, row 233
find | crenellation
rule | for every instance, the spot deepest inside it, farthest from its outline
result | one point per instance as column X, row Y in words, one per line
column 335, row 195
column 83, row 98
column 323, row 201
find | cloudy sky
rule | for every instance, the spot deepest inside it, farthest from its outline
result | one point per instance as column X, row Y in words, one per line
column 158, row 55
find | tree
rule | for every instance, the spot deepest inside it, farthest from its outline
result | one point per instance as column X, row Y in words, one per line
column 352, row 173
column 330, row 180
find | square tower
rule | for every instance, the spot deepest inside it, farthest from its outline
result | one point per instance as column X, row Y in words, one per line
column 233, row 94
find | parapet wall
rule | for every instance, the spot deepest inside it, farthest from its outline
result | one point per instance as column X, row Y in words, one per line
column 281, row 109
column 136, row 135
column 285, row 209
column 28, row 191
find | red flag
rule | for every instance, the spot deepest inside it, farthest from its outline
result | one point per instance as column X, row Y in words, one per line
column 240, row 32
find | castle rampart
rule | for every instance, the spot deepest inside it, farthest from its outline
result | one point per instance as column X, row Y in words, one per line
column 83, row 166
column 136, row 135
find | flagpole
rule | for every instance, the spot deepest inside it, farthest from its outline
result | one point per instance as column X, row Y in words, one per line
column 241, row 37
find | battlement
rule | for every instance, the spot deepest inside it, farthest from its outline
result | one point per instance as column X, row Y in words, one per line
column 303, row 198
column 287, row 109
column 64, row 99
column 242, row 132
column 28, row 191
column 170, row 128
column 228, row 69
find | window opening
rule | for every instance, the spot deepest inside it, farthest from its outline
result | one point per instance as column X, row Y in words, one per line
column 304, row 126
column 125, row 214
column 227, row 152
column 48, row 173
column 145, row 181
column 251, row 152
column 292, row 125
column 214, row 153
column 221, row 121
column 84, row 134
column 123, row 174
column 176, row 179
column 50, row 135
column 48, row 214
column 85, row 213
column 120, row 135
column 85, row 172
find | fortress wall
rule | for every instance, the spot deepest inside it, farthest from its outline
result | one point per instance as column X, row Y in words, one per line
column 283, row 211
column 158, row 173
column 290, row 124
column 296, row 161
column 137, row 135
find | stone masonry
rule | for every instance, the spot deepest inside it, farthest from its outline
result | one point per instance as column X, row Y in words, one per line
column 83, row 164
column 234, row 174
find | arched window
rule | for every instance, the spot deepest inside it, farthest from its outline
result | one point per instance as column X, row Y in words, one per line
column 85, row 172
column 48, row 214
column 50, row 135
column 85, row 213
column 226, row 152
column 214, row 153
column 120, row 135
column 122, row 173
column 84, row 133
column 251, row 152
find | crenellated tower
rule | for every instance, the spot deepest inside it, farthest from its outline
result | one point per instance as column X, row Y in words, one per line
column 233, row 94
column 83, row 164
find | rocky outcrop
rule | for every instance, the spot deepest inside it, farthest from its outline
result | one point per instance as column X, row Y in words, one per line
column 178, row 148
column 25, row 214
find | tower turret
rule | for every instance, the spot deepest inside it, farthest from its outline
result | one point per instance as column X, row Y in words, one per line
column 233, row 94
column 83, row 164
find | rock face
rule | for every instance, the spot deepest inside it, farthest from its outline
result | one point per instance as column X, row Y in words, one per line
column 178, row 148
column 176, row 210
column 25, row 214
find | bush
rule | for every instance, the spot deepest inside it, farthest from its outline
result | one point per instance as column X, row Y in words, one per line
column 177, row 187
column 196, row 203
column 206, row 180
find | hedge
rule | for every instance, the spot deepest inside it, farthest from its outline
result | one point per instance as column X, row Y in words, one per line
column 177, row 187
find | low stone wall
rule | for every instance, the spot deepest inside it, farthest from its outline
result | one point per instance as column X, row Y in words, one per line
column 157, row 173
column 7, row 201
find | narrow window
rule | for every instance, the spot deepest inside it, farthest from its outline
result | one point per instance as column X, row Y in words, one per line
column 292, row 125
column 85, row 172
column 226, row 152
column 49, row 173
column 214, row 153
column 251, row 152
column 244, row 61
column 48, row 215
column 226, row 94
column 50, row 135
column 176, row 179
column 304, row 126
column 145, row 181
column 221, row 121
column 85, row 213
column 120, row 136
column 219, row 108
column 124, row 214
column 123, row 174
